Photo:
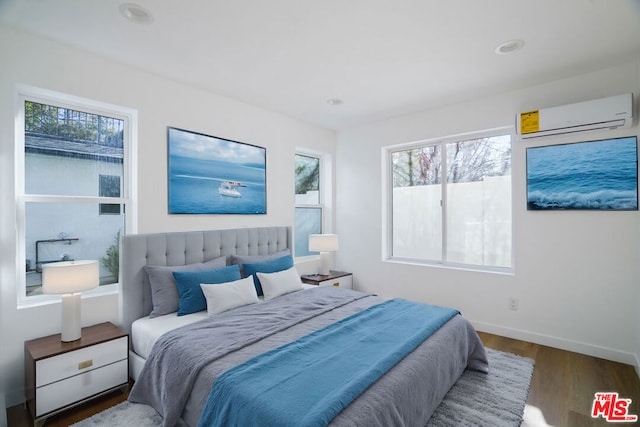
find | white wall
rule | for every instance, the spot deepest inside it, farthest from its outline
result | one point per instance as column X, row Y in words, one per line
column 576, row 273
column 160, row 103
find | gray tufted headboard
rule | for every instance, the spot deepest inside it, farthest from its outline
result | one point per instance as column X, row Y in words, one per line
column 180, row 248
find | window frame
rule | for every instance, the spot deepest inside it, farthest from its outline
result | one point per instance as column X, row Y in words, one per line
column 387, row 201
column 128, row 197
column 324, row 194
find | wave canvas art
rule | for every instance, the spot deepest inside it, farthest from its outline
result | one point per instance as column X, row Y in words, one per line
column 597, row 175
column 209, row 175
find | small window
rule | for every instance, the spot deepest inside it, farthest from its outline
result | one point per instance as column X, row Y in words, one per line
column 309, row 209
column 451, row 202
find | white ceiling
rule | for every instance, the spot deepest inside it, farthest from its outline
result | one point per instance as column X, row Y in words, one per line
column 381, row 57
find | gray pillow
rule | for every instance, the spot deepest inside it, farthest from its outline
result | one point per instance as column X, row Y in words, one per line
column 250, row 259
column 164, row 292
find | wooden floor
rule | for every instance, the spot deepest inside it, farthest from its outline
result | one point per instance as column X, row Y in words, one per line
column 561, row 394
column 564, row 383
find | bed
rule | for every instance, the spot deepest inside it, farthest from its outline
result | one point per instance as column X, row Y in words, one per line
column 179, row 363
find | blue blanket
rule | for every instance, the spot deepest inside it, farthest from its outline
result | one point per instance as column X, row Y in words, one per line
column 309, row 381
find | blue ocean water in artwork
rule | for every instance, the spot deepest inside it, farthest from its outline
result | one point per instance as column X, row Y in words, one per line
column 194, row 184
column 585, row 175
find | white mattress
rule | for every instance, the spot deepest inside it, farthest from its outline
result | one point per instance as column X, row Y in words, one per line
column 145, row 331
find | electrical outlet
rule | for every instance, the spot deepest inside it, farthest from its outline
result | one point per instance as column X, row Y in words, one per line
column 513, row 303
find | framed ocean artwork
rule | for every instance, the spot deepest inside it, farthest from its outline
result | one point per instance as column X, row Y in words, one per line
column 589, row 175
column 210, row 175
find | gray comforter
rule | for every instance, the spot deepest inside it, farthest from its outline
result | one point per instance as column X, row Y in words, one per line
column 184, row 363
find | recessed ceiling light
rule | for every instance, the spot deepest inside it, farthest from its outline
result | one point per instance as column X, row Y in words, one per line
column 136, row 13
column 334, row 101
column 509, row 46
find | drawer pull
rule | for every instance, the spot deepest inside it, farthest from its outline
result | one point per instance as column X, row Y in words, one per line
column 86, row 364
column 336, row 284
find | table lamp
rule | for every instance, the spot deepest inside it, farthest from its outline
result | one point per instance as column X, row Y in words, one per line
column 323, row 243
column 69, row 278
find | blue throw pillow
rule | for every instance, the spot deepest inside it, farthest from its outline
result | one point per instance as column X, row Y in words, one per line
column 271, row 266
column 191, row 297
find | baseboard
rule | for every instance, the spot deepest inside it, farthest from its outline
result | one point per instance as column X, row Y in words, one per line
column 563, row 344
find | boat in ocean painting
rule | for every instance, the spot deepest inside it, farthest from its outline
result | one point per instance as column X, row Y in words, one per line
column 209, row 175
column 230, row 188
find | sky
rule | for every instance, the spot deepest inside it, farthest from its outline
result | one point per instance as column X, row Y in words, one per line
column 199, row 146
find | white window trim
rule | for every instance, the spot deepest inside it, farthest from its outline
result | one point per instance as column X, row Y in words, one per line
column 325, row 193
column 387, row 200
column 45, row 96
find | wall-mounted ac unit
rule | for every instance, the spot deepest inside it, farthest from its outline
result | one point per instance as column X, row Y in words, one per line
column 611, row 112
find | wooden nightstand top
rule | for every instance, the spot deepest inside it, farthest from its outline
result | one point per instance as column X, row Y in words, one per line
column 41, row 348
column 317, row 278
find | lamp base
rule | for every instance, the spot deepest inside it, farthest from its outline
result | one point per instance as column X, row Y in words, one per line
column 324, row 263
column 71, row 330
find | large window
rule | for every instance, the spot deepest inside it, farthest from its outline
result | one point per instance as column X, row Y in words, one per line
column 451, row 202
column 73, row 185
column 309, row 207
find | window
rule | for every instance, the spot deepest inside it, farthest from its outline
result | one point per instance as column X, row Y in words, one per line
column 451, row 202
column 72, row 184
column 309, row 209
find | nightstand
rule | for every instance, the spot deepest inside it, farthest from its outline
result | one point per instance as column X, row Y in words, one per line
column 334, row 278
column 59, row 375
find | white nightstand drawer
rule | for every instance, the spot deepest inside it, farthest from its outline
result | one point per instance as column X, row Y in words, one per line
column 78, row 387
column 343, row 282
column 79, row 361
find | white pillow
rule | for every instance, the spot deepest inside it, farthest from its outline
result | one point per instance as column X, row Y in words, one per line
column 279, row 283
column 225, row 296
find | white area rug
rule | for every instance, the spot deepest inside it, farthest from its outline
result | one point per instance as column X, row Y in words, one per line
column 497, row 399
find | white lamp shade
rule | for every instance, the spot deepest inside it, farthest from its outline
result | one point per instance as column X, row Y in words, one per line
column 67, row 277
column 323, row 242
